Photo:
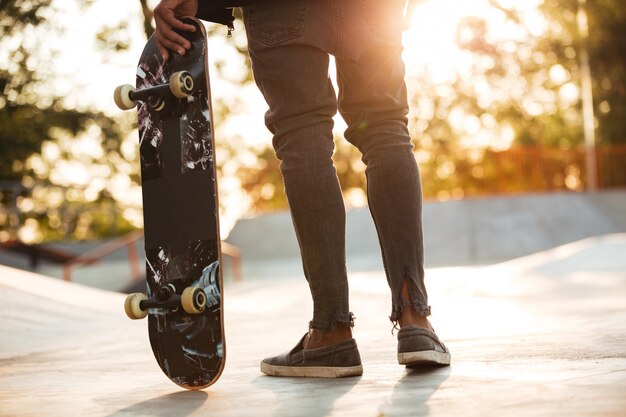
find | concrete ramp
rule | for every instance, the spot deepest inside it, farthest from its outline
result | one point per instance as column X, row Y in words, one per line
column 539, row 335
column 457, row 233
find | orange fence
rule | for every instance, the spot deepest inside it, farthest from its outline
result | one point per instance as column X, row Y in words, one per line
column 611, row 162
column 520, row 169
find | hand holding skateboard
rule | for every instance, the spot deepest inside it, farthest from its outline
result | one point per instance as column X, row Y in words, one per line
column 166, row 17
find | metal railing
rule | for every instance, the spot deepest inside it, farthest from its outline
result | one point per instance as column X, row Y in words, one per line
column 129, row 241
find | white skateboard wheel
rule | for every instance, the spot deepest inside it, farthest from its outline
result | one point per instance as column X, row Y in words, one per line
column 122, row 98
column 181, row 84
column 132, row 308
column 193, row 300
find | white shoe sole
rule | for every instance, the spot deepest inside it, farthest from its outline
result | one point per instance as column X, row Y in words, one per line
column 312, row 371
column 427, row 357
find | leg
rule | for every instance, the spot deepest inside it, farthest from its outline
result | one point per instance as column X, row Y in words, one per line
column 293, row 77
column 373, row 102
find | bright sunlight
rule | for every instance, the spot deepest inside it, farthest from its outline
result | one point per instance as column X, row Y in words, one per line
column 431, row 41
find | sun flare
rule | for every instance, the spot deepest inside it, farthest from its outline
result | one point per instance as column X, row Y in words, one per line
column 431, row 40
column 434, row 56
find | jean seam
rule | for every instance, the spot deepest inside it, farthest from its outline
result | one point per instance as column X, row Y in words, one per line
column 380, row 242
column 338, row 38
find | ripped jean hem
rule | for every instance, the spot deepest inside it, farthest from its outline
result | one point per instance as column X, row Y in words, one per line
column 332, row 324
column 418, row 307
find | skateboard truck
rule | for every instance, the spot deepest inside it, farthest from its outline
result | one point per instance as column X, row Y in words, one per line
column 193, row 300
column 180, row 85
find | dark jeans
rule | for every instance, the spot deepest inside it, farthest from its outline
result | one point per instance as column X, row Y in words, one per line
column 289, row 45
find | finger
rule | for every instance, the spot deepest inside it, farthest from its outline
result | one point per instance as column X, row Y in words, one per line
column 176, row 23
column 164, row 33
column 168, row 16
column 175, row 43
column 174, row 37
column 161, row 42
column 173, row 22
column 173, row 46
column 163, row 51
column 167, row 32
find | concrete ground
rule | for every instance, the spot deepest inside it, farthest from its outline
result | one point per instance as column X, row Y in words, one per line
column 539, row 335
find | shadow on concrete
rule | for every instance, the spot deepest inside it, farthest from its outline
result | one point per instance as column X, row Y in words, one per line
column 184, row 402
column 410, row 394
column 305, row 397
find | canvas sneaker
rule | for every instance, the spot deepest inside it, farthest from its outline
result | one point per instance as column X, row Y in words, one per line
column 339, row 360
column 418, row 346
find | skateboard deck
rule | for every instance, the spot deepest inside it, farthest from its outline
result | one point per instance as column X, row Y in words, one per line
column 180, row 202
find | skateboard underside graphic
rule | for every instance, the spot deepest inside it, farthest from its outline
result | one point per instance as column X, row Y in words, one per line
column 183, row 299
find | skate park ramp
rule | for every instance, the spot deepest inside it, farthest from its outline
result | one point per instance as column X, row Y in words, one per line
column 478, row 231
column 538, row 335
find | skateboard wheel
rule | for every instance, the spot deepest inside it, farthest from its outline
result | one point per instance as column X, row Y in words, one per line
column 181, row 84
column 132, row 307
column 193, row 300
column 121, row 95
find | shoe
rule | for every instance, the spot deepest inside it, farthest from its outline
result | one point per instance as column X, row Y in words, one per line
column 418, row 346
column 335, row 361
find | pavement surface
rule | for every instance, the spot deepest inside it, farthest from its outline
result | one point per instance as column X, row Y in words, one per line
column 539, row 335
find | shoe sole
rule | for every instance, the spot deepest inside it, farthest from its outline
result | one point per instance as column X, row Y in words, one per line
column 312, row 371
column 426, row 357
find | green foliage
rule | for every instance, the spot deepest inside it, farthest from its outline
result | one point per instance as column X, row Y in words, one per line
column 607, row 49
column 29, row 13
column 526, row 88
column 19, row 134
column 522, row 91
column 23, row 128
column 538, row 75
column 148, row 27
column 114, row 38
column 262, row 182
column 51, row 186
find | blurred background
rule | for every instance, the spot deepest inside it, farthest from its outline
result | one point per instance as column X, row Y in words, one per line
column 511, row 102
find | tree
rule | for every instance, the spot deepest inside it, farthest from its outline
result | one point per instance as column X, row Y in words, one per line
column 52, row 186
column 541, row 70
column 607, row 47
column 525, row 88
column 39, row 134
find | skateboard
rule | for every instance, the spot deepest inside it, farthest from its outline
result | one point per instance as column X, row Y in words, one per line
column 183, row 300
